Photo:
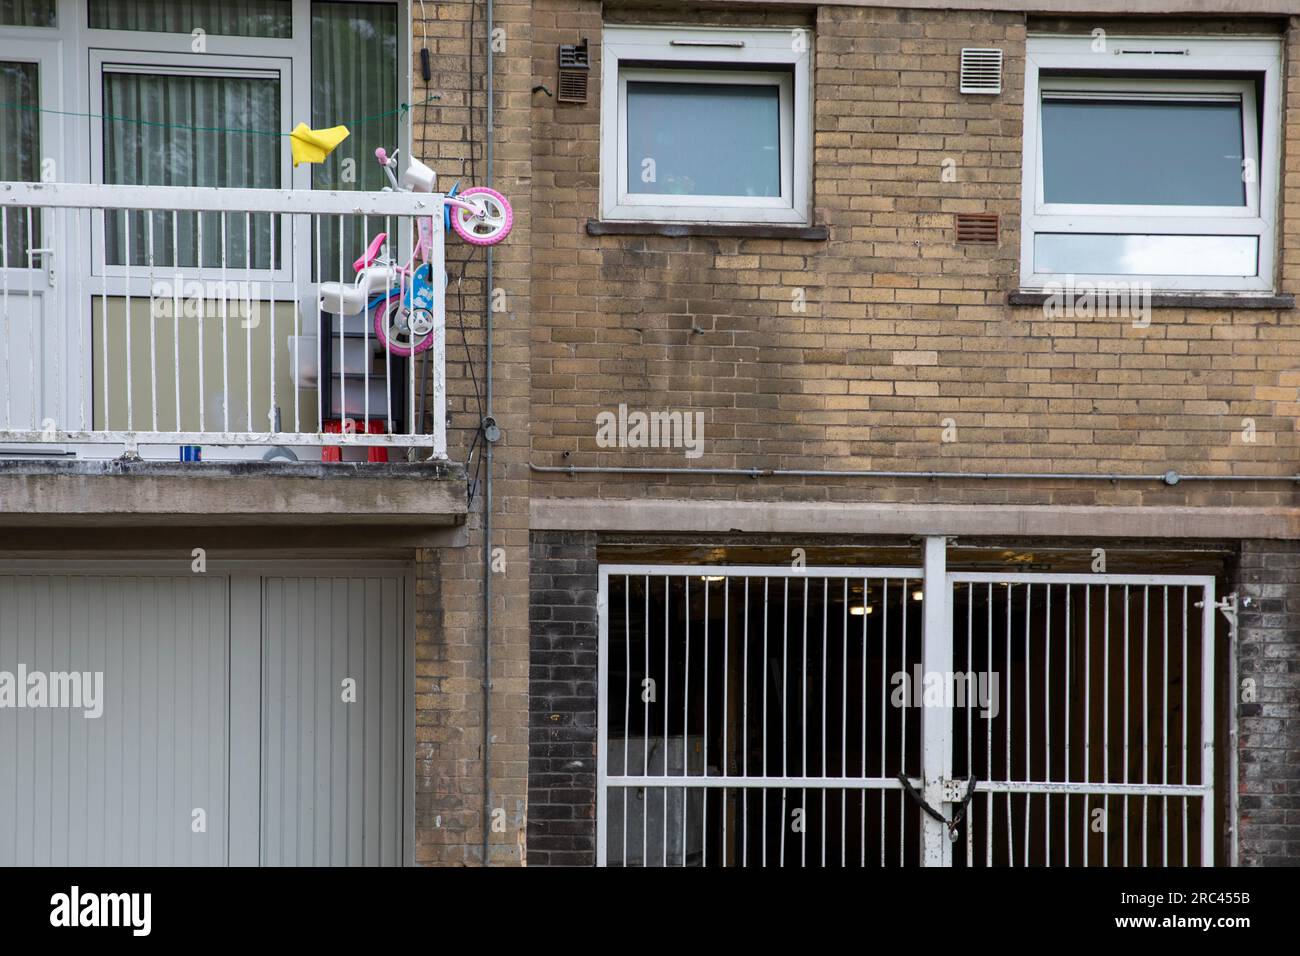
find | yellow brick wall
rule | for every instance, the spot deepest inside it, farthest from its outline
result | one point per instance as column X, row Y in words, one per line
column 904, row 328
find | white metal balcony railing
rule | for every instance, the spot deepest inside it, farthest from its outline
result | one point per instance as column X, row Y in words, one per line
column 146, row 317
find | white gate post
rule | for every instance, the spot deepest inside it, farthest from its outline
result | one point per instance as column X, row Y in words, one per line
column 936, row 721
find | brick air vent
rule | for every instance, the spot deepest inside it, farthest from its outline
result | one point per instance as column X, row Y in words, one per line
column 575, row 70
column 980, row 228
column 981, row 71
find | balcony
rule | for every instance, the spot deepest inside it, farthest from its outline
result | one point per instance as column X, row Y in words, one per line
column 145, row 328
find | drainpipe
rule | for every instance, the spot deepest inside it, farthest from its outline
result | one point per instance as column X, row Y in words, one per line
column 1169, row 477
column 489, row 434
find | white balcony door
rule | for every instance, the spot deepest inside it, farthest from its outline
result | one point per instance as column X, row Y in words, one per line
column 37, row 335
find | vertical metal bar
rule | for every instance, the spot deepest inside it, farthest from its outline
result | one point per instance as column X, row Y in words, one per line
column 862, row 764
column 202, row 312
column 844, row 723
column 704, row 816
column 1127, row 693
column 744, row 731
column 1047, row 725
column 248, row 321
column 1146, row 710
column 627, row 695
column 902, row 718
column 176, row 315
column 126, row 279
column 726, row 713
column 1069, row 663
column 803, row 729
column 766, row 581
column 4, row 297
column 1207, row 727
column 665, row 710
column 365, row 426
column 297, row 384
column 1029, row 715
column 1105, row 725
column 936, row 721
column 225, row 334
column 1011, row 848
column 970, row 675
column 1164, row 724
column 343, row 415
column 884, row 695
column 602, row 723
column 273, row 419
column 645, row 699
column 58, row 308
column 34, row 392
column 103, row 311
column 1183, row 681
column 440, row 296
column 79, row 318
column 1087, row 707
column 321, row 338
column 988, row 732
column 826, row 600
column 686, row 709
column 153, row 332
column 785, row 710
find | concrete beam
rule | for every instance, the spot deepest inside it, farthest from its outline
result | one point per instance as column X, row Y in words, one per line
column 818, row 517
column 1215, row 8
column 88, row 494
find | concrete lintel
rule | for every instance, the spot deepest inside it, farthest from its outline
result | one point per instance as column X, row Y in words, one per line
column 783, row 517
column 1216, row 8
column 86, row 494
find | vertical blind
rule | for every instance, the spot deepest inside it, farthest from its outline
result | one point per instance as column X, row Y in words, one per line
column 20, row 156
column 179, row 143
column 237, row 18
column 354, row 76
column 26, row 13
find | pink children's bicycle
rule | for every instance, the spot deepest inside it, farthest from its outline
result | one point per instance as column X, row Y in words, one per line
column 402, row 295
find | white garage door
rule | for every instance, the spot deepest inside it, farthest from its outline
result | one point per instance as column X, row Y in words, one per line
column 246, row 716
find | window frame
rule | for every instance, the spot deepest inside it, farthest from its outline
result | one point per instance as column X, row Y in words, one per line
column 1061, row 64
column 704, row 54
column 103, row 62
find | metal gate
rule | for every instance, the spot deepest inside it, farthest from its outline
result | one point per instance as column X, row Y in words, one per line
column 836, row 716
column 1101, row 748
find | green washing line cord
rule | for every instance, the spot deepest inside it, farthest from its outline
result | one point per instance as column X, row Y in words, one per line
column 401, row 110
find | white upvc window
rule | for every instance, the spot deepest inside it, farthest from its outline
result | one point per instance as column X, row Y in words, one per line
column 706, row 125
column 1153, row 162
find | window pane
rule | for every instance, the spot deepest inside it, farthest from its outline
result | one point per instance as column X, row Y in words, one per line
column 26, row 13
column 704, row 139
column 232, row 18
column 354, row 75
column 1150, row 153
column 20, row 157
column 163, row 151
column 1085, row 254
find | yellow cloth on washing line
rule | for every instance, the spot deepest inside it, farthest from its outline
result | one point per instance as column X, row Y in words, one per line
column 313, row 145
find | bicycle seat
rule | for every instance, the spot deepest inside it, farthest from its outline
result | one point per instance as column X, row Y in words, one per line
column 371, row 253
column 340, row 299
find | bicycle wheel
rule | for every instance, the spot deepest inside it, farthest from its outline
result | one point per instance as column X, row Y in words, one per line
column 493, row 222
column 393, row 328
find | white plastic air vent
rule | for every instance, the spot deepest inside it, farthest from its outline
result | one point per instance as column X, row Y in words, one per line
column 981, row 71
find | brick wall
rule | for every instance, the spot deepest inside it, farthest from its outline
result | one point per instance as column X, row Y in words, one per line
column 1269, row 743
column 449, row 135
column 904, row 328
column 562, row 707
